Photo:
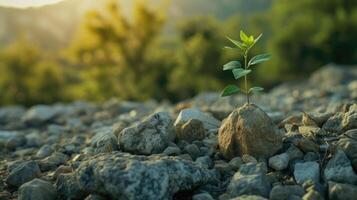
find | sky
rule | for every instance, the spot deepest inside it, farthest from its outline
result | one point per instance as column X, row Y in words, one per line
column 26, row 3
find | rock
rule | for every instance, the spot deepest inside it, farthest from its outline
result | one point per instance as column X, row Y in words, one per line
column 249, row 197
column 284, row 192
column 63, row 170
column 11, row 113
column 172, row 151
column 67, row 187
column 339, row 169
column 148, row 137
column 249, row 130
column 37, row 189
column 192, row 150
column 34, row 139
column 294, row 153
column 45, row 151
column 236, row 163
column 208, row 121
column 334, row 123
column 307, row 171
column 339, row 191
column 191, row 131
column 205, row 161
column 23, row 173
column 279, row 162
column 311, row 131
column 350, row 118
column 324, row 75
column 104, row 141
column 124, row 176
column 53, row 161
column 5, row 195
column 312, row 195
column 311, row 156
column 249, row 159
column 348, row 143
column 15, row 142
column 250, row 180
column 7, row 135
column 306, row 145
column 39, row 114
column 202, row 196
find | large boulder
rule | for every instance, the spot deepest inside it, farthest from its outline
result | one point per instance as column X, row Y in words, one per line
column 150, row 136
column 125, row 176
column 249, row 130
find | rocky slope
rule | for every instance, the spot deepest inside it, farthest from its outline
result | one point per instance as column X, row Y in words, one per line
column 301, row 137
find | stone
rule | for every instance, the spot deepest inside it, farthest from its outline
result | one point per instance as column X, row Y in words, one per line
column 236, row 163
column 39, row 114
column 339, row 191
column 53, row 161
column 202, row 196
column 172, row 151
column 34, row 139
column 191, row 131
column 284, row 192
column 249, row 159
column 334, row 123
column 104, row 140
column 11, row 113
column 23, row 173
column 312, row 195
column 294, row 153
column 339, row 169
column 311, row 156
column 45, row 151
column 151, row 136
column 68, row 187
column 205, row 161
column 348, row 143
column 279, row 162
column 192, row 150
column 95, row 197
column 208, row 121
column 125, row 176
column 307, row 171
column 349, row 120
column 250, row 180
column 249, row 197
column 63, row 170
column 37, row 189
column 249, row 130
column 311, row 131
column 306, row 145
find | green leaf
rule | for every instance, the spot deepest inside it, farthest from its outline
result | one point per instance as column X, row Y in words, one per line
column 238, row 73
column 235, row 42
column 230, row 90
column 259, row 59
column 255, row 90
column 244, row 37
column 232, row 65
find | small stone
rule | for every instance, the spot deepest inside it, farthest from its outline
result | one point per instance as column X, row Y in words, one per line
column 311, row 156
column 249, row 130
column 279, row 162
column 37, row 189
column 202, row 196
column 339, row 191
column 205, row 161
column 193, row 150
column 249, row 159
column 53, row 161
column 104, row 141
column 208, row 121
column 23, row 173
column 249, row 197
column 339, row 169
column 68, row 188
column 306, row 145
column 172, row 151
column 45, row 151
column 63, row 170
column 39, row 114
column 284, row 192
column 312, row 195
column 191, row 131
column 94, row 197
column 307, row 171
column 294, row 153
column 236, row 163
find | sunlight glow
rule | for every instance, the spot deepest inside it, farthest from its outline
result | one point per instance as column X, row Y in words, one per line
column 26, row 3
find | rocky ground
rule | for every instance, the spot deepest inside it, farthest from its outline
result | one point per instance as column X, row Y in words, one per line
column 299, row 141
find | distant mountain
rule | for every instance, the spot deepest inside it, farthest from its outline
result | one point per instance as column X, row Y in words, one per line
column 53, row 26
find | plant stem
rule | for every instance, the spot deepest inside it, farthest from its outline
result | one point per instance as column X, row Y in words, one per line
column 245, row 77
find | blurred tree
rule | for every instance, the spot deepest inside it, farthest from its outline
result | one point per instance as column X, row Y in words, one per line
column 116, row 51
column 307, row 34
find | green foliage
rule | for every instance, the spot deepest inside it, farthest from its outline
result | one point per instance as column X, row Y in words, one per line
column 244, row 46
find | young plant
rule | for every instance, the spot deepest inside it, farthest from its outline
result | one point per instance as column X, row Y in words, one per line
column 238, row 70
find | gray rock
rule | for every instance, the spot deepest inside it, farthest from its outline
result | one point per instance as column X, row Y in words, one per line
column 339, row 191
column 236, row 163
column 350, row 118
column 191, row 130
column 37, row 189
column 124, row 176
column 284, row 192
column 53, row 161
column 294, row 153
column 23, row 173
column 39, row 114
column 11, row 114
column 279, row 162
column 148, row 137
column 208, row 121
column 172, row 151
column 250, row 180
column 45, row 151
column 202, row 196
column 205, row 161
column 34, row 139
column 95, row 197
column 334, row 123
column 307, row 171
column 249, row 130
column 311, row 156
column 67, row 187
column 339, row 169
column 104, row 140
column 7, row 135
column 249, row 197
column 348, row 143
column 192, row 150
